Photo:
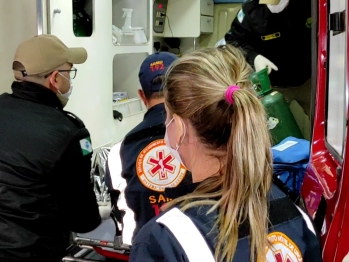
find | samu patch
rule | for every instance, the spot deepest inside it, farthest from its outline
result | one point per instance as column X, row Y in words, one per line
column 85, row 145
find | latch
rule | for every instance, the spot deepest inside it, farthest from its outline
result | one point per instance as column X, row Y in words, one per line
column 117, row 115
column 337, row 22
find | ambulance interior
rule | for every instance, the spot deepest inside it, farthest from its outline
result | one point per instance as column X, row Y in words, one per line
column 114, row 57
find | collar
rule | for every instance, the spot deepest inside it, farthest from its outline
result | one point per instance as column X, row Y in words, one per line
column 158, row 109
column 35, row 93
column 174, row 192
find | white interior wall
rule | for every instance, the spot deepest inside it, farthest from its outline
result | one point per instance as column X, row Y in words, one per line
column 336, row 110
column 91, row 98
column 105, row 71
column 16, row 25
column 224, row 14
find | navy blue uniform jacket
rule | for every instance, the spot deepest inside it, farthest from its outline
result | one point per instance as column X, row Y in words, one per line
column 155, row 242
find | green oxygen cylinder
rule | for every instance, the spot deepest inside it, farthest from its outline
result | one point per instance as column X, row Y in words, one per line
column 281, row 122
column 82, row 23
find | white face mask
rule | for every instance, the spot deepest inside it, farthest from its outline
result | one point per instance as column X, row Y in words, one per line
column 67, row 94
column 279, row 7
column 174, row 152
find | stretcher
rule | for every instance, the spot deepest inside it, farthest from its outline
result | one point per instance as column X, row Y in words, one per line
column 110, row 241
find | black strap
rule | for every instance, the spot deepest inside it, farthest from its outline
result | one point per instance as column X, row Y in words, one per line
column 288, row 191
column 281, row 210
column 145, row 133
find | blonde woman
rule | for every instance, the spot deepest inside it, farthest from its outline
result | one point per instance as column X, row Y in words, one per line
column 216, row 127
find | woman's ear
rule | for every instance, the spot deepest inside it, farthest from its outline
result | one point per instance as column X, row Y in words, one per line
column 179, row 124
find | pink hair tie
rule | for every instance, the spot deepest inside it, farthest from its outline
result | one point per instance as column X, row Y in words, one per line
column 229, row 93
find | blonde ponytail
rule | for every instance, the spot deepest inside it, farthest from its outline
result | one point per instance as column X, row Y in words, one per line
column 194, row 86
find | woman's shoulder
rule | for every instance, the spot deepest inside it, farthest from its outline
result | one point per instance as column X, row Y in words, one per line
column 173, row 236
column 154, row 242
column 157, row 227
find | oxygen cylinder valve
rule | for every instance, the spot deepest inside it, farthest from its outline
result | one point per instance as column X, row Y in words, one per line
column 261, row 83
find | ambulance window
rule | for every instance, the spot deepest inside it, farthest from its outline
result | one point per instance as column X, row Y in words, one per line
column 336, row 93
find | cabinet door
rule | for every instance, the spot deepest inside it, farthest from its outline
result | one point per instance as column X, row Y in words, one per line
column 206, row 24
column 224, row 14
column 91, row 99
column 183, row 18
column 207, row 7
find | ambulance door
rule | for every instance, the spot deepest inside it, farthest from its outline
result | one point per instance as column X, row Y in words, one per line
column 325, row 186
column 336, row 244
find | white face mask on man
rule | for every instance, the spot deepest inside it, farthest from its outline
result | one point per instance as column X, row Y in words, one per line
column 67, row 94
column 174, row 152
column 64, row 97
column 279, row 7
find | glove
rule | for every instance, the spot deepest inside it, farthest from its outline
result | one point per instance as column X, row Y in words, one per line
column 220, row 42
column 260, row 62
column 104, row 210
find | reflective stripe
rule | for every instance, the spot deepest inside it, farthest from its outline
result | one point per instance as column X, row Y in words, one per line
column 115, row 167
column 307, row 220
column 188, row 235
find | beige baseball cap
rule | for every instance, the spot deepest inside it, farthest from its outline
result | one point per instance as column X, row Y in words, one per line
column 269, row 2
column 43, row 53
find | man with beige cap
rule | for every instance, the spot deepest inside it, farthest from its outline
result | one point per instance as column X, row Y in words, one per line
column 277, row 34
column 45, row 156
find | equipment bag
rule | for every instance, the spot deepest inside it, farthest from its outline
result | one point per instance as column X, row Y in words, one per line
column 290, row 160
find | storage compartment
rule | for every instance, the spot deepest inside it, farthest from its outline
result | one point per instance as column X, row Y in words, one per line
column 207, row 7
column 126, row 83
column 129, row 107
column 206, row 24
column 183, row 18
column 131, row 23
column 224, row 14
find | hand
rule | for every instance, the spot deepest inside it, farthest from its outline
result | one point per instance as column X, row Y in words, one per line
column 220, row 42
column 260, row 62
column 104, row 210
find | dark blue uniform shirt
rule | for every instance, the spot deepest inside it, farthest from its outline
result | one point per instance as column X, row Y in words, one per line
column 289, row 233
column 148, row 167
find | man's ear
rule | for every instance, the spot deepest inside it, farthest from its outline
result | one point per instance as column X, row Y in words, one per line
column 142, row 96
column 178, row 123
column 54, row 82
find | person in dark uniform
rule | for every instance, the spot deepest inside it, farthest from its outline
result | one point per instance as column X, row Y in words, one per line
column 277, row 34
column 147, row 165
column 232, row 211
column 45, row 152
